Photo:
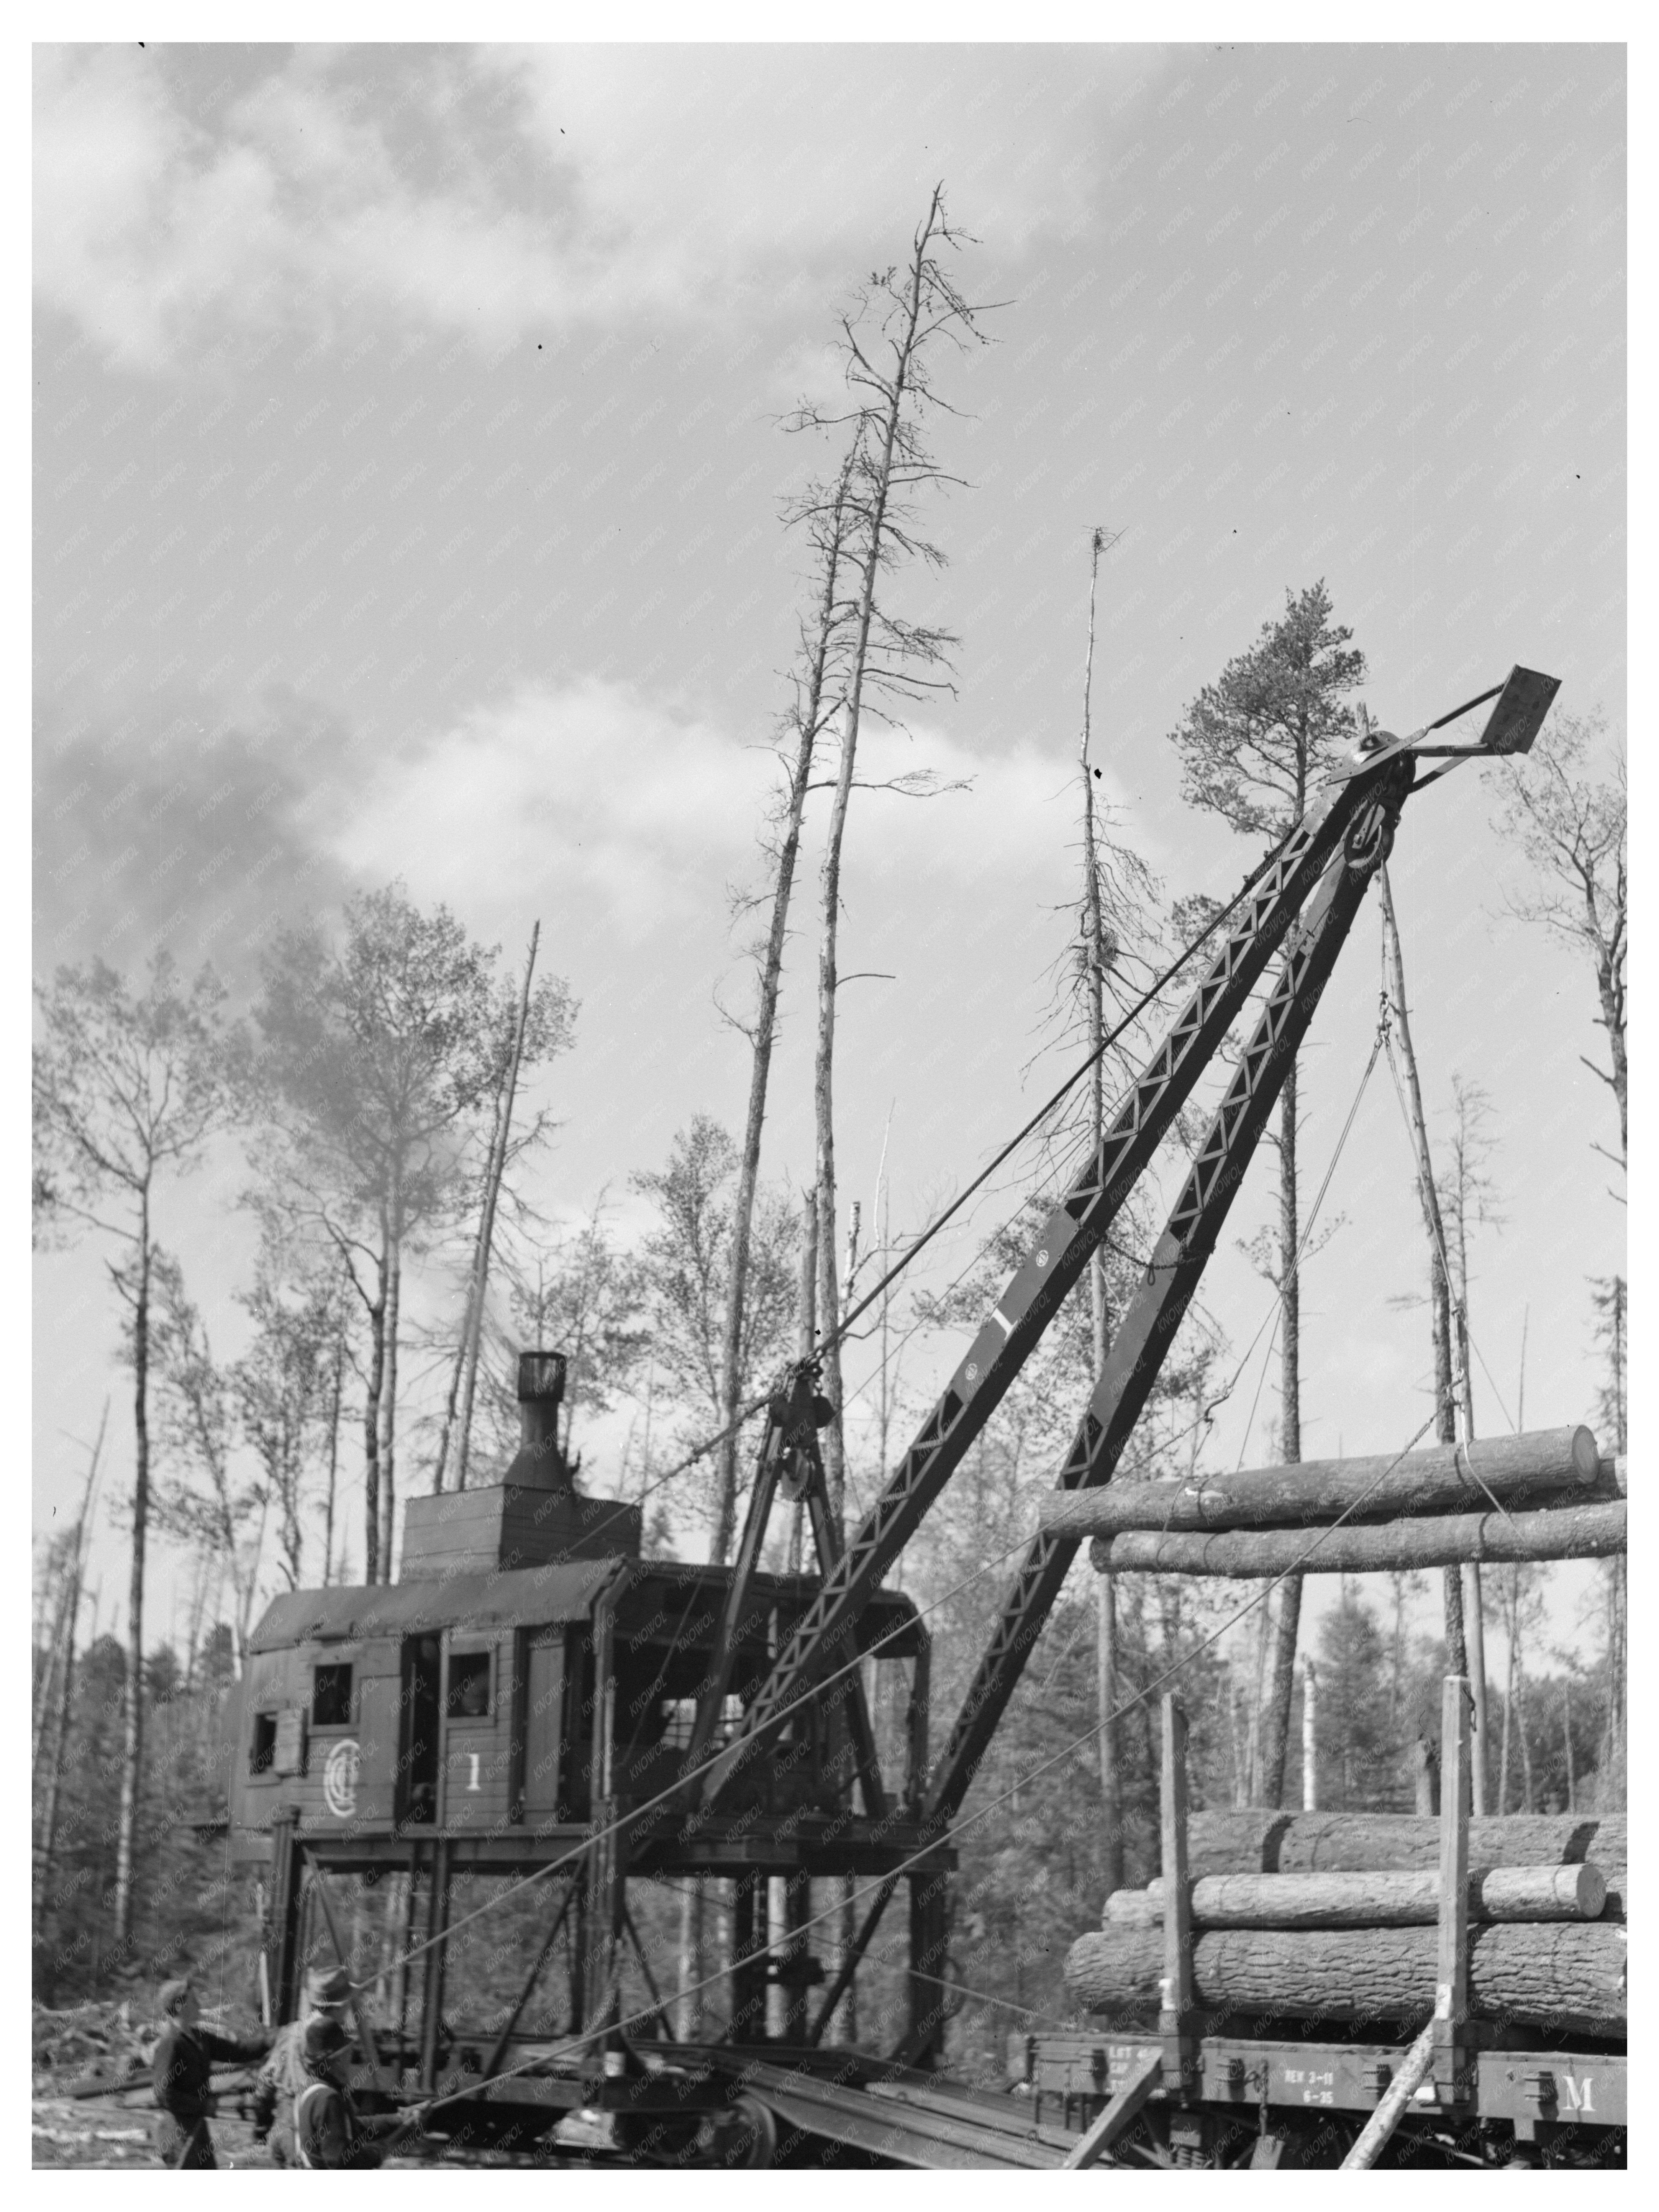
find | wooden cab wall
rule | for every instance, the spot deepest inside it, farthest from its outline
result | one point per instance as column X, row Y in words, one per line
column 422, row 1708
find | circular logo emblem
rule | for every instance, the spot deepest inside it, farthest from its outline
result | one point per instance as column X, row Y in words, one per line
column 340, row 1779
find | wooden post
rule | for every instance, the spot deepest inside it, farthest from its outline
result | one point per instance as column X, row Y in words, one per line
column 498, row 2049
column 1310, row 1738
column 607, row 1854
column 916, row 1722
column 283, row 1940
column 748, row 1958
column 1451, row 1997
column 432, row 1980
column 925, row 2041
column 359, row 2010
column 1176, row 2022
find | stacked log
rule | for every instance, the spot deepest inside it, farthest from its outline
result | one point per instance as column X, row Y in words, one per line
column 1548, row 1495
column 1255, row 1842
column 1440, row 1539
column 1569, row 1977
column 1369, row 1900
column 1550, row 1464
column 1330, row 1916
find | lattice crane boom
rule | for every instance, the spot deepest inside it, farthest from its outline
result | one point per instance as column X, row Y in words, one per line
column 1340, row 843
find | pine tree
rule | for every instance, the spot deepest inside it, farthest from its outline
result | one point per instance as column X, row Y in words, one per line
column 1252, row 746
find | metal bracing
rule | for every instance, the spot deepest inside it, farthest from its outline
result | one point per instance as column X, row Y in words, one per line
column 1061, row 1251
column 1143, row 1341
column 789, row 1458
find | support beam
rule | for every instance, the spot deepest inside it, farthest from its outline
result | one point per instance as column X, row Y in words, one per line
column 662, row 2010
column 1583, row 1532
column 432, row 1987
column 1451, row 1979
column 924, row 2042
column 1374, row 2135
column 1177, row 2021
column 359, row 2011
column 844, row 1973
column 283, row 1937
column 1557, row 1463
column 498, row 2049
column 1125, row 2107
column 748, row 1957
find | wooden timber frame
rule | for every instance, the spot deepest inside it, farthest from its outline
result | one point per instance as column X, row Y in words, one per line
column 583, row 1869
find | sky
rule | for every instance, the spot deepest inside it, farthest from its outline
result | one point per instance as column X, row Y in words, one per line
column 409, row 455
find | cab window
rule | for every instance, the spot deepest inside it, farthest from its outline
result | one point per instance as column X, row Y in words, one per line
column 468, row 1695
column 331, row 1697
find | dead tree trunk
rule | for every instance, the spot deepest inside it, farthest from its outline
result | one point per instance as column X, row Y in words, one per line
column 1094, row 993
column 132, row 1760
column 1276, row 1732
column 810, row 720
column 487, row 1219
column 1440, row 1287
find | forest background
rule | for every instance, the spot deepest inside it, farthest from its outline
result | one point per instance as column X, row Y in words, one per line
column 411, row 479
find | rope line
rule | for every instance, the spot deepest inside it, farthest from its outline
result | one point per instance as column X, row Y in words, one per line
column 702, row 1450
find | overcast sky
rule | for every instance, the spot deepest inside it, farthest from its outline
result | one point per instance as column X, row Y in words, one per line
column 408, row 470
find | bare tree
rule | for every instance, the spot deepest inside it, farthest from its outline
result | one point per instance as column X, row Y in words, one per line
column 379, row 1055
column 53, row 1737
column 1118, row 892
column 1445, row 1396
column 1610, row 1299
column 887, row 345
column 552, row 1021
column 125, row 1090
column 286, row 1388
column 1574, row 830
column 206, row 1504
column 1468, row 1198
column 826, row 515
column 685, row 1268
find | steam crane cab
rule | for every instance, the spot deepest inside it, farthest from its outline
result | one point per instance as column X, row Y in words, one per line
column 528, row 1678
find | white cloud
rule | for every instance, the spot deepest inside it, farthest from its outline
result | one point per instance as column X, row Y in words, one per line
column 498, row 190
column 606, row 802
column 612, row 805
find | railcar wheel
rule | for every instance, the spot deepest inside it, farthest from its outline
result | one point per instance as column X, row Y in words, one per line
column 755, row 2133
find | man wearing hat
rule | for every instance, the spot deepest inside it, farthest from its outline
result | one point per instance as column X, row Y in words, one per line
column 182, row 2072
column 322, row 2126
column 283, row 2075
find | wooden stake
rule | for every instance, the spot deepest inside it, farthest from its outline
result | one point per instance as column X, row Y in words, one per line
column 1137, row 2087
column 1175, row 2011
column 1451, row 2000
column 1398, row 2094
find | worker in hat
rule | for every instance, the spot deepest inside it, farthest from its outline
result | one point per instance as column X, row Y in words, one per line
column 182, row 2072
column 283, row 2075
column 322, row 2126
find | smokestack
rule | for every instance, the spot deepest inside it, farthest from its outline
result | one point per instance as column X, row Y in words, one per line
column 540, row 1464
